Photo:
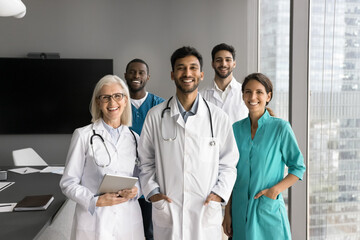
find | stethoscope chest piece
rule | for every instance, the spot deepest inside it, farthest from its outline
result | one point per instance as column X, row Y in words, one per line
column 212, row 143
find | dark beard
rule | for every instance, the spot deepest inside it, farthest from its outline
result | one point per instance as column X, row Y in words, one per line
column 185, row 90
column 222, row 76
column 136, row 90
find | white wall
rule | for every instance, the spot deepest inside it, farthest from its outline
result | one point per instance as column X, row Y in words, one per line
column 121, row 30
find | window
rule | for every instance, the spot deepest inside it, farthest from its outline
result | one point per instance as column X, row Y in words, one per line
column 274, row 51
column 274, row 55
column 334, row 137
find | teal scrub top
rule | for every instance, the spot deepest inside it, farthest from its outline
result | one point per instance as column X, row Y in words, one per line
column 139, row 114
column 261, row 165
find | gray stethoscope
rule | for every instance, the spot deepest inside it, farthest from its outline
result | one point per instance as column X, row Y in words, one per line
column 212, row 142
column 107, row 150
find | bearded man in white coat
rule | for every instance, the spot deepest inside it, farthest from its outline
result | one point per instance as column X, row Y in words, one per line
column 225, row 92
column 188, row 157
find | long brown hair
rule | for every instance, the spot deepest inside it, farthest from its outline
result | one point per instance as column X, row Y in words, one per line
column 265, row 81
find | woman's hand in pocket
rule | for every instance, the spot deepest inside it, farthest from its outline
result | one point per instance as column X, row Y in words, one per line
column 269, row 192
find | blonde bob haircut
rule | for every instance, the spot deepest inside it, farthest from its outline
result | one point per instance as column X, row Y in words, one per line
column 126, row 116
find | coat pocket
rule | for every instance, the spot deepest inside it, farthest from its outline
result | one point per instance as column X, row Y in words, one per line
column 161, row 214
column 269, row 218
column 212, row 214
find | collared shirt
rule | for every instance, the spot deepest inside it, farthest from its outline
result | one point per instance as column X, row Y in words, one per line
column 232, row 102
column 225, row 93
column 185, row 114
column 114, row 132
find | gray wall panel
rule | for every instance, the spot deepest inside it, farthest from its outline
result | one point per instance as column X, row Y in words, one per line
column 121, row 30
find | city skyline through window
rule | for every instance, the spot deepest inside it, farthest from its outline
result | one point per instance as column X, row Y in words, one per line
column 334, row 114
column 334, row 153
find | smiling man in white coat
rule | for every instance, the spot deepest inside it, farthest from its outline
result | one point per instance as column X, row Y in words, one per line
column 188, row 157
column 225, row 92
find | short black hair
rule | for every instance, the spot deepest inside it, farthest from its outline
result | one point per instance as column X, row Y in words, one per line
column 139, row 61
column 184, row 52
column 223, row 46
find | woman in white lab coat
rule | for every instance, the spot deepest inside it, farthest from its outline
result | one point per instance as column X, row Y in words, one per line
column 107, row 146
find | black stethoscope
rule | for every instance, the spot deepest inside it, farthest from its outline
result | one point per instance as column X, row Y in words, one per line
column 103, row 141
column 212, row 142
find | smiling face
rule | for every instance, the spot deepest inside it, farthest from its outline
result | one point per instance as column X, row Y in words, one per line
column 223, row 64
column 112, row 110
column 187, row 74
column 255, row 97
column 136, row 76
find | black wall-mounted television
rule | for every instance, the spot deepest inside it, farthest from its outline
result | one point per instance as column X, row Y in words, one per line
column 47, row 96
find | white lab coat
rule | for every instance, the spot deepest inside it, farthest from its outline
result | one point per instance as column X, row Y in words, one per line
column 233, row 105
column 187, row 170
column 82, row 178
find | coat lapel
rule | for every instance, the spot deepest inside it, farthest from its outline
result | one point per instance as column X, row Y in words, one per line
column 175, row 112
column 100, row 129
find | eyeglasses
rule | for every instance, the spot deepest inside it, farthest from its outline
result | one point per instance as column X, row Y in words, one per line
column 107, row 98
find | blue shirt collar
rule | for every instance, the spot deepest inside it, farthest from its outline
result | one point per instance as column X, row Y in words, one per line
column 192, row 111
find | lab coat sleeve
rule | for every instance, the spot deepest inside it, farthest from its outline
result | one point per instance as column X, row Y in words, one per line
column 228, row 158
column 291, row 153
column 139, row 192
column 136, row 171
column 153, row 192
column 147, row 158
column 137, row 184
column 70, row 181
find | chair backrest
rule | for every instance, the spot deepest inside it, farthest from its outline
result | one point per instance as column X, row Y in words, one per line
column 27, row 157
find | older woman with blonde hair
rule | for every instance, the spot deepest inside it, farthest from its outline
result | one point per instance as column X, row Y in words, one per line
column 106, row 146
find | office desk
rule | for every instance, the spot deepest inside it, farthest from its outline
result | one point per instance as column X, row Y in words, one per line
column 28, row 225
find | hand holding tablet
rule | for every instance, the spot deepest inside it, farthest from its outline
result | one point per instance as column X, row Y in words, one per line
column 113, row 183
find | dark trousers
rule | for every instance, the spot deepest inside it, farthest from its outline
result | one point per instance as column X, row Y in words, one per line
column 146, row 211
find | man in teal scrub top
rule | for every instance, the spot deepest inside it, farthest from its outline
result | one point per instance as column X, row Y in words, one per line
column 137, row 75
column 266, row 145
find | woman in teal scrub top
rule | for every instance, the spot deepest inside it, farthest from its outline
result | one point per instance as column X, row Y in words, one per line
column 266, row 144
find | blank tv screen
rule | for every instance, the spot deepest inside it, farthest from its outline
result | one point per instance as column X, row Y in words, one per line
column 48, row 96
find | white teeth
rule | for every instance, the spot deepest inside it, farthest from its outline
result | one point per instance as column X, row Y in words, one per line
column 112, row 109
column 187, row 81
column 253, row 104
column 136, row 81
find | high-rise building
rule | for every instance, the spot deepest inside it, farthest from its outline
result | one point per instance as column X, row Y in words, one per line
column 334, row 154
column 334, row 116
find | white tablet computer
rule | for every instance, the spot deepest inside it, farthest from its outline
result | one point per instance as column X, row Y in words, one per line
column 114, row 183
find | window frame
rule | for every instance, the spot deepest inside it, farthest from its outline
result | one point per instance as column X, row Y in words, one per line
column 299, row 111
column 298, row 89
